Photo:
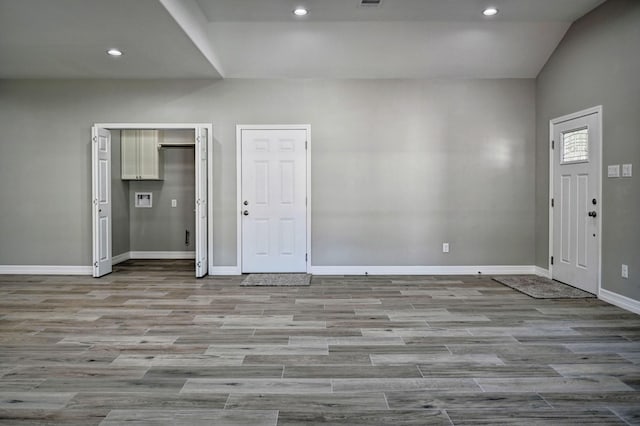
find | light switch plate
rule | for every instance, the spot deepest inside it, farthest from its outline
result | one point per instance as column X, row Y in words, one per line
column 625, row 271
column 445, row 247
column 627, row 170
column 174, row 203
column 613, row 171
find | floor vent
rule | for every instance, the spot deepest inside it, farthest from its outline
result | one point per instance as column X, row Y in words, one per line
column 370, row 3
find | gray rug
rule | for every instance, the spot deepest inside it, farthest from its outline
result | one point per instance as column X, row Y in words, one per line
column 542, row 288
column 277, row 280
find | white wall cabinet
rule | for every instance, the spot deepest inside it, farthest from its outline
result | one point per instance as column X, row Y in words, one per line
column 142, row 157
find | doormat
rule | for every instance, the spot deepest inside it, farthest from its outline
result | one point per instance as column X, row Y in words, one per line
column 277, row 280
column 542, row 288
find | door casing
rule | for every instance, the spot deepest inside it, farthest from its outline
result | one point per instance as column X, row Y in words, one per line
column 180, row 126
column 597, row 110
column 239, row 129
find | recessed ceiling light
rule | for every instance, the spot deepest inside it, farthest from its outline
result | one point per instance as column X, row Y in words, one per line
column 490, row 11
column 114, row 52
column 300, row 11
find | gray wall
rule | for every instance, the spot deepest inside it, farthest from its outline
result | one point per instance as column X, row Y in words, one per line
column 398, row 166
column 162, row 227
column 598, row 63
column 119, row 201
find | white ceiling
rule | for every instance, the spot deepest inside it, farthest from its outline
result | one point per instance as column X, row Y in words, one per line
column 396, row 10
column 69, row 38
column 262, row 38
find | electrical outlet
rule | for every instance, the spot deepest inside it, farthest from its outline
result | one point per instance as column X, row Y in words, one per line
column 174, row 203
column 625, row 271
column 627, row 170
column 445, row 247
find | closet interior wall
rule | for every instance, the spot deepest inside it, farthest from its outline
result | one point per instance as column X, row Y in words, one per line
column 163, row 227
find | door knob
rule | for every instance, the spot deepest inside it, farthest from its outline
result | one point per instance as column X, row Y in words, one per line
column 592, row 214
column 246, row 203
column 246, row 212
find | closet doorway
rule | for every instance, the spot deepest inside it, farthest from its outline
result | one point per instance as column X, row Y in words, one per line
column 143, row 161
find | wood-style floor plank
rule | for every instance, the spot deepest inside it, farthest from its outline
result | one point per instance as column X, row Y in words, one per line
column 191, row 417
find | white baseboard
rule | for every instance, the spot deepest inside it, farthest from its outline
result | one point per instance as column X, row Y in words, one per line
column 45, row 270
column 542, row 272
column 614, row 298
column 400, row 270
column 162, row 255
column 152, row 255
column 119, row 258
column 620, row 301
column 224, row 270
column 424, row 270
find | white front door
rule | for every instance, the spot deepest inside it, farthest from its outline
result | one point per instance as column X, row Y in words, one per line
column 273, row 192
column 201, row 201
column 576, row 201
column 101, row 200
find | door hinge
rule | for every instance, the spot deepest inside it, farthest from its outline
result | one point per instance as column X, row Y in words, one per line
column 553, row 144
column 95, row 264
column 552, row 203
column 552, row 260
column 199, row 264
column 305, row 144
column 306, row 257
column 95, row 139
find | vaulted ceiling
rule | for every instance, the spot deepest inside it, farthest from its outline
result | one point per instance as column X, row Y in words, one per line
column 264, row 39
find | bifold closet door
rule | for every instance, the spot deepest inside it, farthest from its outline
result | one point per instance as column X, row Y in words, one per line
column 201, row 201
column 101, row 200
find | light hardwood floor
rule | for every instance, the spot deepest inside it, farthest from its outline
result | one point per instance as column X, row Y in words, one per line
column 149, row 344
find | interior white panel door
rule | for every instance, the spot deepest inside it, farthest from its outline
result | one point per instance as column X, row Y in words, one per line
column 576, row 211
column 101, row 196
column 273, row 211
column 201, row 202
